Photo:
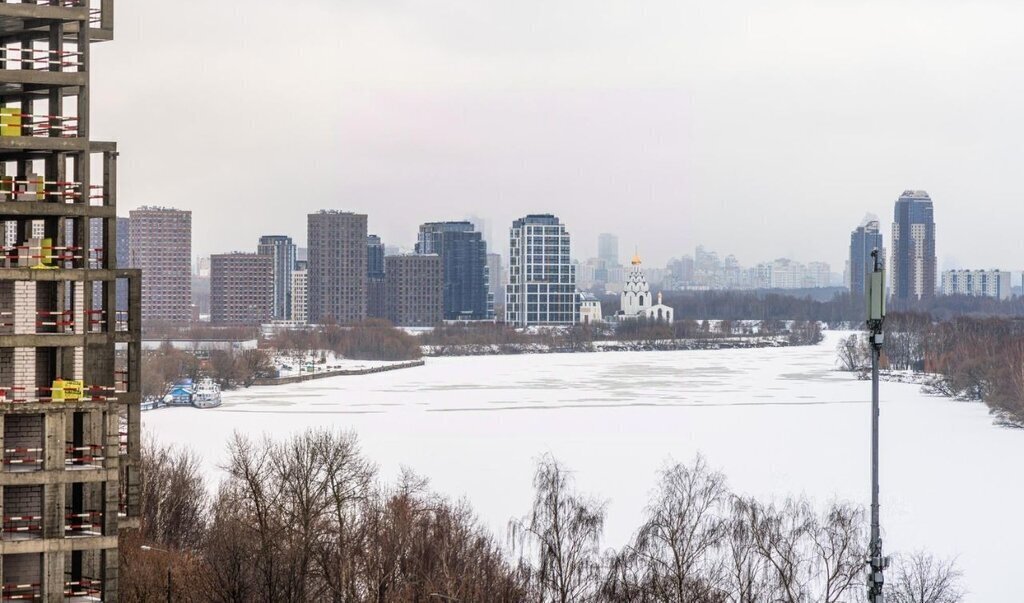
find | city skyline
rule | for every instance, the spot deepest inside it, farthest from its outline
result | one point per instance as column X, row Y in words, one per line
column 662, row 112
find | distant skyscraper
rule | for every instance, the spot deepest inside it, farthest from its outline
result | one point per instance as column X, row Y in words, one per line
column 463, row 255
column 241, row 288
column 300, row 296
column 282, row 251
column 496, row 279
column 374, row 257
column 913, row 263
column 160, row 243
column 863, row 240
column 337, row 267
column 375, row 278
column 123, row 246
column 608, row 249
column 542, row 278
column 414, row 290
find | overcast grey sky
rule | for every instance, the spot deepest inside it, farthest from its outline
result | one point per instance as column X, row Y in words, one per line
column 764, row 129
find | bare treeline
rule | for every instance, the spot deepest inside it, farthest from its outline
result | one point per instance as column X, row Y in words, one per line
column 453, row 339
column 306, row 519
column 373, row 339
column 973, row 358
column 838, row 309
column 229, row 368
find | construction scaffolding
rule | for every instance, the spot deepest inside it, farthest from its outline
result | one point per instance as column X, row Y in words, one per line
column 69, row 356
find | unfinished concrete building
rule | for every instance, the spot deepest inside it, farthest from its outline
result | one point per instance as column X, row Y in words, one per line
column 69, row 399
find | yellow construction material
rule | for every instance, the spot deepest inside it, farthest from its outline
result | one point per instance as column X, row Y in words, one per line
column 67, row 390
column 45, row 253
column 10, row 121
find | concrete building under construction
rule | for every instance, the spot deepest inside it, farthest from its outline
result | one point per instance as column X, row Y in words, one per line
column 69, row 359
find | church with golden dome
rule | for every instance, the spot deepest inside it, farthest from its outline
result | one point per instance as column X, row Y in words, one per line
column 636, row 299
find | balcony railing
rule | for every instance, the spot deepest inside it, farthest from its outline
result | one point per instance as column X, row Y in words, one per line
column 22, row 592
column 37, row 188
column 23, row 459
column 90, row 589
column 83, row 456
column 23, row 527
column 78, row 524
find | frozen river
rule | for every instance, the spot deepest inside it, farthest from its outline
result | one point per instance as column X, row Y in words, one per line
column 775, row 421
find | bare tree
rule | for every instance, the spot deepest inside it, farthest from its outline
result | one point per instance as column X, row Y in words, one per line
column 746, row 570
column 778, row 536
column 921, row 578
column 685, row 528
column 837, row 562
column 559, row 540
column 173, row 498
column 851, row 353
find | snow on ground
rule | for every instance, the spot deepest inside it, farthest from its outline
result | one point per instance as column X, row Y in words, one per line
column 777, row 421
column 290, row 365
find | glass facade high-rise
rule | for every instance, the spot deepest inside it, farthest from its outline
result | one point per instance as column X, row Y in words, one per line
column 542, row 278
column 374, row 257
column 913, row 265
column 464, row 267
column 863, row 240
column 608, row 249
column 282, row 251
column 375, row 293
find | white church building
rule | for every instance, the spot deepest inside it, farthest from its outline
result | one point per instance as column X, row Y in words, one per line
column 637, row 300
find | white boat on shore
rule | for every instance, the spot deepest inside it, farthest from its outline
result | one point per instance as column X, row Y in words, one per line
column 206, row 394
column 202, row 394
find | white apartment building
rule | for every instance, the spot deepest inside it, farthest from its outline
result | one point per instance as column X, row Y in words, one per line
column 542, row 277
column 979, row 283
column 300, row 296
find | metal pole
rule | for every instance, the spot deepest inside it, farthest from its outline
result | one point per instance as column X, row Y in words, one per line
column 876, row 580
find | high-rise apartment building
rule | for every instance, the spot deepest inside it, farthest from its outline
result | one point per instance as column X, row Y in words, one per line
column 241, row 288
column 978, row 283
column 337, row 267
column 463, row 255
column 863, row 240
column 374, row 257
column 300, row 296
column 414, row 286
column 69, row 360
column 160, row 244
column 914, row 268
column 542, row 278
column 375, row 278
column 281, row 249
column 495, row 280
column 608, row 249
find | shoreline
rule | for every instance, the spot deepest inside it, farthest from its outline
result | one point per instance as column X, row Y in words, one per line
column 660, row 345
column 338, row 373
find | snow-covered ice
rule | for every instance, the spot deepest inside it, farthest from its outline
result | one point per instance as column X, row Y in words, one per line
column 777, row 421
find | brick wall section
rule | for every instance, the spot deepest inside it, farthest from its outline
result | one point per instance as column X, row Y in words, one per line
column 23, row 569
column 24, row 431
column 22, row 501
column 6, row 367
column 6, row 306
column 24, row 307
column 25, row 367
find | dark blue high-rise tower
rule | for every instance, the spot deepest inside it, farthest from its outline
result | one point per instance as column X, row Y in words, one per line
column 863, row 240
column 913, row 247
column 464, row 266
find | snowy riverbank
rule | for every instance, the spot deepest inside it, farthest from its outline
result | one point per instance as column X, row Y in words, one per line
column 777, row 421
